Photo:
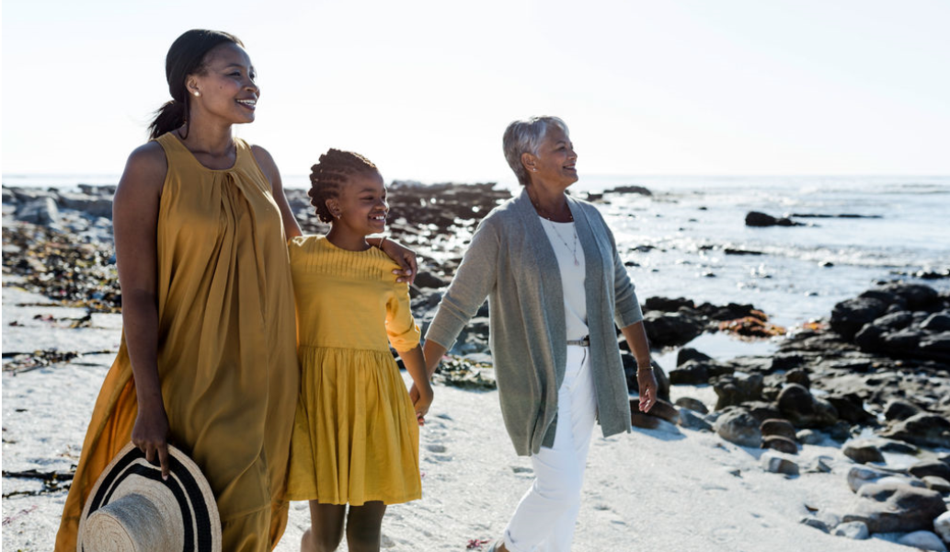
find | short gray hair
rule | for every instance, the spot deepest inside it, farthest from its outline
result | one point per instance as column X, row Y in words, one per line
column 525, row 136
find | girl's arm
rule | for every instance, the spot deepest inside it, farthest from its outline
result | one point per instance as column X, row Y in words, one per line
column 135, row 223
column 269, row 168
column 416, row 366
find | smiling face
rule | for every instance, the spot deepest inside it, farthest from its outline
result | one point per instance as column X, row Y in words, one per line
column 556, row 159
column 226, row 88
column 360, row 207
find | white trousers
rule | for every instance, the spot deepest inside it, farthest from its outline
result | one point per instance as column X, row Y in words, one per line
column 544, row 520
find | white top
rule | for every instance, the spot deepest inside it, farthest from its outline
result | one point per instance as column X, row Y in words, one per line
column 570, row 259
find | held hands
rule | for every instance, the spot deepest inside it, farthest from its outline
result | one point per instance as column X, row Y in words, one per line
column 421, row 400
column 647, row 382
column 150, row 435
column 405, row 257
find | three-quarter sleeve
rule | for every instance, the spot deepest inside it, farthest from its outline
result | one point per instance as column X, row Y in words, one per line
column 627, row 309
column 473, row 281
column 401, row 327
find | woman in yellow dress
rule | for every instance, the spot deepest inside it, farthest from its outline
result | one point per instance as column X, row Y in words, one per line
column 207, row 360
column 356, row 435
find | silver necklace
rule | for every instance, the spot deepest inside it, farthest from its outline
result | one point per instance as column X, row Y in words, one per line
column 560, row 237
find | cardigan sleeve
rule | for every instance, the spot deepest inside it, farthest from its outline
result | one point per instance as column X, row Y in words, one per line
column 473, row 281
column 626, row 305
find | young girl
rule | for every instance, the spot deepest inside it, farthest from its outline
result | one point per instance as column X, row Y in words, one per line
column 356, row 435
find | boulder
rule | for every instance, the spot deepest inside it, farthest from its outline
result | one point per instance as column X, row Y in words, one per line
column 779, row 443
column 737, row 388
column 898, row 409
column 693, row 404
column 758, row 219
column 643, row 421
column 799, row 376
column 937, row 322
column 896, row 507
column 670, row 329
column 858, row 476
column 856, row 530
column 693, row 372
column 739, row 427
column 923, row 540
column 942, row 526
column 779, row 464
column 664, row 410
column 862, row 452
column 810, row 436
column 798, row 405
column 779, row 427
column 938, row 484
column 930, row 467
column 850, row 408
column 93, row 205
column 691, row 420
column 849, row 316
column 427, row 279
column 42, row 211
column 688, row 353
column 924, row 430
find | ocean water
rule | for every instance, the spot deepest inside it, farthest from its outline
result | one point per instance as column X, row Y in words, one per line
column 675, row 239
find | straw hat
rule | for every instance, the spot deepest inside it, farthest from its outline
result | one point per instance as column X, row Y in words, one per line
column 132, row 509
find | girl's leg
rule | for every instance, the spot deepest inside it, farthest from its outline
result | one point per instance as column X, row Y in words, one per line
column 559, row 471
column 364, row 527
column 326, row 527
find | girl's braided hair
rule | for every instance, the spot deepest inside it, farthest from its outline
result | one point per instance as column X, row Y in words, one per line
column 330, row 173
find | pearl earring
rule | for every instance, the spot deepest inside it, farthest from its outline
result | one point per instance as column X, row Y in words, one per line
column 197, row 93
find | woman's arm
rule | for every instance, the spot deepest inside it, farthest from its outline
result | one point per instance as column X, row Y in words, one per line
column 636, row 338
column 269, row 168
column 135, row 226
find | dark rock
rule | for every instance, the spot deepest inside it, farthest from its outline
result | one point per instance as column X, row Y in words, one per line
column 923, row 430
column 664, row 410
column 939, row 484
column 631, row 189
column 930, row 467
column 739, row 427
column 665, row 304
column 839, row 431
column 858, row 476
column 643, row 421
column 691, row 373
column 787, row 361
column 778, row 427
column 757, row 219
column 797, row 404
column 896, row 507
column 778, row 464
column 816, row 523
column 737, row 388
column 915, row 296
column 687, row 353
column 936, row 343
column 937, row 322
column 779, row 443
column 691, row 420
column 862, row 452
column 898, row 409
column 670, row 329
column 95, row 206
column 799, row 376
column 761, row 411
column 848, row 317
column 693, row 404
column 428, row 280
column 850, row 408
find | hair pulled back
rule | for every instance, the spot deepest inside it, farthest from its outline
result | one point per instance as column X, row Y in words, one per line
column 185, row 57
column 330, row 173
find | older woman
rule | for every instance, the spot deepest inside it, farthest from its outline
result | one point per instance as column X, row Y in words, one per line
column 549, row 266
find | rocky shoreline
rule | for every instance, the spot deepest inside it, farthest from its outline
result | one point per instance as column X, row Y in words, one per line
column 874, row 377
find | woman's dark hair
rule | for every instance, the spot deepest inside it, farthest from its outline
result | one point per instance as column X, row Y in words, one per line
column 185, row 57
column 330, row 173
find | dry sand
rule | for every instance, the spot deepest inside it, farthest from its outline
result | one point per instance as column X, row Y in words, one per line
column 669, row 489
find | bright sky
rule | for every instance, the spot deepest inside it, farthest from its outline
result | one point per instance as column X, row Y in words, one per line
column 426, row 88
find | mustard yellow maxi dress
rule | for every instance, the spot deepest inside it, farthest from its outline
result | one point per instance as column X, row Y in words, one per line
column 226, row 349
column 356, row 438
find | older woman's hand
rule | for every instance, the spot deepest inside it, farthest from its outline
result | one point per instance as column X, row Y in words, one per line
column 404, row 257
column 647, row 382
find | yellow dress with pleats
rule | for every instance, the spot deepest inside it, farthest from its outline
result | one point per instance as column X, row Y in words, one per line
column 226, row 349
column 356, row 438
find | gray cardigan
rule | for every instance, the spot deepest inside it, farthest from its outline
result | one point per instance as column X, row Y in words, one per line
column 511, row 261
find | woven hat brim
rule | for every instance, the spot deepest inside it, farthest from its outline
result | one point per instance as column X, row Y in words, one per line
column 191, row 491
